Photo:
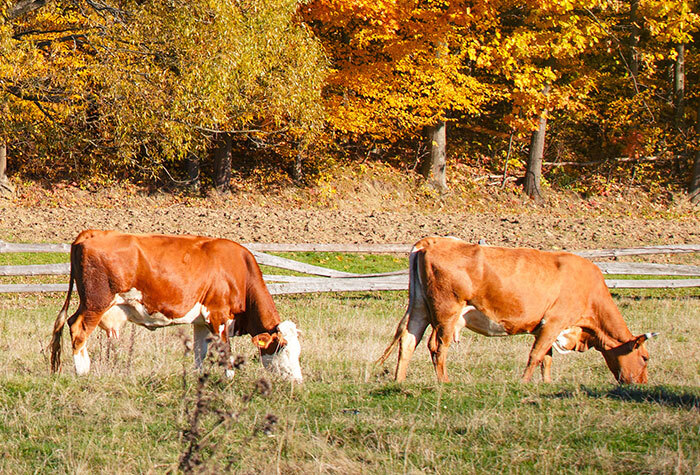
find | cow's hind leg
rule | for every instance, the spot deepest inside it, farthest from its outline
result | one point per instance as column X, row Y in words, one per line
column 82, row 324
column 411, row 336
column 438, row 345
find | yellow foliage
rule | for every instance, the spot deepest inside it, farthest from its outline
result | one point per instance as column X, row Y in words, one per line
column 400, row 66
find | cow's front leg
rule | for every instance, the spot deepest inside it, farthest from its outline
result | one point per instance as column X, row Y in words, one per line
column 541, row 350
column 546, row 367
column 218, row 324
column 201, row 344
column 230, row 371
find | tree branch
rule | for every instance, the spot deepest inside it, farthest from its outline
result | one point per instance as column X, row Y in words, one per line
column 22, row 7
column 100, row 7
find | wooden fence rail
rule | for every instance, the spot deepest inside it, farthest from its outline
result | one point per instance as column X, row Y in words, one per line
column 330, row 280
column 618, row 268
column 364, row 285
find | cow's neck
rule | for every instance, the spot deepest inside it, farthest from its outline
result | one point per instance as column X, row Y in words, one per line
column 263, row 307
column 607, row 325
column 607, row 339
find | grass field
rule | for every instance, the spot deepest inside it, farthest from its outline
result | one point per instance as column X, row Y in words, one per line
column 143, row 408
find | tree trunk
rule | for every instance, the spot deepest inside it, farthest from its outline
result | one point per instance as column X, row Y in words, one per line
column 679, row 86
column 635, row 35
column 694, row 188
column 222, row 162
column 6, row 187
column 434, row 166
column 533, row 172
column 193, row 173
column 695, row 180
column 297, row 172
column 22, row 7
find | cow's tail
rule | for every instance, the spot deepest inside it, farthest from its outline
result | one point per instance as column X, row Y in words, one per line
column 60, row 322
column 414, row 293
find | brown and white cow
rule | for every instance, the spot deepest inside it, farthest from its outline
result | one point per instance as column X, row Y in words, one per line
column 156, row 280
column 558, row 297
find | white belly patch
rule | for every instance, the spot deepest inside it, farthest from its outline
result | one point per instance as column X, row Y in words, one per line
column 479, row 323
column 130, row 306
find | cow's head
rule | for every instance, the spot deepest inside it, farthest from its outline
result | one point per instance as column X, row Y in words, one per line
column 280, row 350
column 628, row 362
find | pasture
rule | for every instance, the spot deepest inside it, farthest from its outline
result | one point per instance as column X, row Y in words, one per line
column 143, row 408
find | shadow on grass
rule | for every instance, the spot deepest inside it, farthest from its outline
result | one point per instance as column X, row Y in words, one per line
column 657, row 395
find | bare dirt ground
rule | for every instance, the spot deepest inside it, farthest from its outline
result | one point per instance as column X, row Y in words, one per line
column 354, row 210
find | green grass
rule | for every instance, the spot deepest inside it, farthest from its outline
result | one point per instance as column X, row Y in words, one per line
column 346, row 262
column 25, row 258
column 129, row 414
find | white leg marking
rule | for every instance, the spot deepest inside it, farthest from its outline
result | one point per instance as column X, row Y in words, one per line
column 82, row 361
column 459, row 324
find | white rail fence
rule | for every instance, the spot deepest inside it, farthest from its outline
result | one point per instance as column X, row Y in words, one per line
column 321, row 279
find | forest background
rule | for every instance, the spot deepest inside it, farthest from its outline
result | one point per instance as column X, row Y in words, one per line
column 588, row 96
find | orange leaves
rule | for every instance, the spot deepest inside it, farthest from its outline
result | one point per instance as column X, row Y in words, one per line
column 398, row 65
column 402, row 64
column 379, row 17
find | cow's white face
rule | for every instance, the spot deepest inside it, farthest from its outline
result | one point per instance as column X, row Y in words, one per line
column 286, row 360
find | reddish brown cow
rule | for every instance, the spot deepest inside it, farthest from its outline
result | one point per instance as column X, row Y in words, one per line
column 558, row 297
column 156, row 280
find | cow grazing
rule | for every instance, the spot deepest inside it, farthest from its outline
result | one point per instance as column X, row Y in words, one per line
column 558, row 297
column 156, row 281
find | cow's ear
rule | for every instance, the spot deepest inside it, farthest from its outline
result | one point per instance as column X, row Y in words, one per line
column 278, row 341
column 263, row 340
column 642, row 338
column 268, row 342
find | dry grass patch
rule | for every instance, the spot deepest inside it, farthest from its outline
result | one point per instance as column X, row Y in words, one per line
column 132, row 413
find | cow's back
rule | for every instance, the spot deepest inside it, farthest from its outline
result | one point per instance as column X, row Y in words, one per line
column 513, row 286
column 170, row 273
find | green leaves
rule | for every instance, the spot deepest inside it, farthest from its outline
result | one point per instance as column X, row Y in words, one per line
column 141, row 84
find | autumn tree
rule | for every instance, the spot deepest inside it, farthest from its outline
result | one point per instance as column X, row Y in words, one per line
column 673, row 26
column 389, row 82
column 667, row 28
column 595, row 73
column 538, row 50
column 38, row 86
column 145, row 85
column 399, row 68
